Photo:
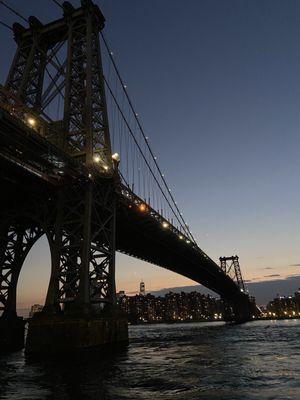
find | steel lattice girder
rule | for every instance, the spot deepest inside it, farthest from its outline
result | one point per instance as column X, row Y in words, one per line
column 50, row 210
column 84, row 244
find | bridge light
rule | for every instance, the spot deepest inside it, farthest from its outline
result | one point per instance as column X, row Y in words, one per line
column 188, row 241
column 142, row 207
column 165, row 225
column 106, row 168
column 116, row 157
column 31, row 122
column 97, row 158
column 180, row 237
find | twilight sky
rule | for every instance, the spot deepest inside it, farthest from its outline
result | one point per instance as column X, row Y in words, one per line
column 216, row 84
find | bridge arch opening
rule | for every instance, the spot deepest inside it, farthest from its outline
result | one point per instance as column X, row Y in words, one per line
column 34, row 277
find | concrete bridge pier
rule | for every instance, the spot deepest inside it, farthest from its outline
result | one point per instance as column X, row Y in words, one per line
column 240, row 308
column 12, row 332
column 72, row 333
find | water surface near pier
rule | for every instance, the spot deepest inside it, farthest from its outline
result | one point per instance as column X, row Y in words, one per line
column 257, row 360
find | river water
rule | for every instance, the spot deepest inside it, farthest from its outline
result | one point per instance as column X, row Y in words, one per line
column 257, row 360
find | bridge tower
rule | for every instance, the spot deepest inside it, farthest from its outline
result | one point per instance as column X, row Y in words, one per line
column 244, row 308
column 79, row 215
column 231, row 266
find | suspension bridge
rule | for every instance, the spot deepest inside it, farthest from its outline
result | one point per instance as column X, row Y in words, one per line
column 77, row 166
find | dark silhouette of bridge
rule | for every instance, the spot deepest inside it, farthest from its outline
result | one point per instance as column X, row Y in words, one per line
column 62, row 116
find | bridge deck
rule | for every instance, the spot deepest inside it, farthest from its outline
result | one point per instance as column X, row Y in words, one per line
column 25, row 158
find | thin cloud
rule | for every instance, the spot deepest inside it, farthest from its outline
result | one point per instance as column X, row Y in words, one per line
column 294, row 276
column 294, row 265
column 269, row 268
column 271, row 276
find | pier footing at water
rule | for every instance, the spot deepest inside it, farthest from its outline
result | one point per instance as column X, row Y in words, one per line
column 52, row 334
column 11, row 334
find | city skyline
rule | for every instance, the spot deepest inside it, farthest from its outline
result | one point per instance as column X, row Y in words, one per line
column 233, row 160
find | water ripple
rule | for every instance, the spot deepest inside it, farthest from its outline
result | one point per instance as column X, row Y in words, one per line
column 209, row 361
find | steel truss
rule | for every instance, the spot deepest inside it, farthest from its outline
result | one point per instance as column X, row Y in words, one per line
column 80, row 218
column 83, row 248
column 231, row 266
column 23, row 222
column 15, row 244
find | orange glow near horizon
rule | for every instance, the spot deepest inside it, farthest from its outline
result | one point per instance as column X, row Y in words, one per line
column 35, row 274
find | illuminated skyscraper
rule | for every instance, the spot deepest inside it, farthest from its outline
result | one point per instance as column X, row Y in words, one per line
column 34, row 309
column 142, row 289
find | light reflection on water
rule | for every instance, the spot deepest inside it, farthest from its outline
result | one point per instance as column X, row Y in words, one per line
column 257, row 360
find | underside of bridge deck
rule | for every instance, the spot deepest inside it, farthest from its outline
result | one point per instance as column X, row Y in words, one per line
column 138, row 234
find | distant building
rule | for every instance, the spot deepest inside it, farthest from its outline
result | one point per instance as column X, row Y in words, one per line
column 284, row 306
column 172, row 307
column 121, row 294
column 34, row 309
column 142, row 289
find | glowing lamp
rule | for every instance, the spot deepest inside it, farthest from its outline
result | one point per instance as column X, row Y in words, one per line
column 142, row 207
column 116, row 157
column 31, row 121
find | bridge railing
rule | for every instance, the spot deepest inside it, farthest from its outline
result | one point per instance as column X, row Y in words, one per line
column 47, row 160
column 22, row 113
column 140, row 205
column 37, row 121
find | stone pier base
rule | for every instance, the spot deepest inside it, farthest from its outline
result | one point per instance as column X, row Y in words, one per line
column 52, row 333
column 12, row 332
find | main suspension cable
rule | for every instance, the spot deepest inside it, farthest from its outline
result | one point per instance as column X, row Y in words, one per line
column 6, row 26
column 184, row 227
column 13, row 10
column 178, row 214
column 142, row 131
column 57, row 3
